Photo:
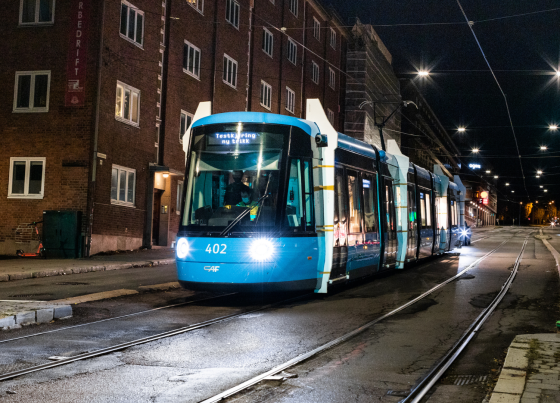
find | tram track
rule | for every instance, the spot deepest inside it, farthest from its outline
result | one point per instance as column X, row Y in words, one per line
column 433, row 376
column 185, row 329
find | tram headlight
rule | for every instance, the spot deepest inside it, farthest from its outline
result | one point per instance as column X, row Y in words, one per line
column 182, row 248
column 262, row 249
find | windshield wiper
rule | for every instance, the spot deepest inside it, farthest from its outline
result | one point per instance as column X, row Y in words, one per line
column 244, row 213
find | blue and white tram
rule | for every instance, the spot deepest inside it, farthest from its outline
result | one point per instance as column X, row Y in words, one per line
column 276, row 203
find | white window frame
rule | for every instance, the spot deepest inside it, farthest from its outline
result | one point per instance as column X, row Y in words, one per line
column 314, row 72
column 268, row 41
column 266, row 95
column 290, row 100
column 36, row 22
column 32, row 108
column 226, row 71
column 292, row 51
column 25, row 194
column 198, row 5
column 333, row 39
column 332, row 78
column 187, row 115
column 133, row 91
column 233, row 7
column 138, row 12
column 294, row 7
column 186, row 48
column 121, row 202
column 316, row 29
column 330, row 116
column 178, row 206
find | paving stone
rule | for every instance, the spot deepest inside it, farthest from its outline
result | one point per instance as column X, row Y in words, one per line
column 46, row 273
column 62, row 311
column 4, row 277
column 531, row 395
column 549, row 386
column 25, row 318
column 44, row 315
column 529, row 400
column 8, row 321
column 533, row 389
column 504, row 398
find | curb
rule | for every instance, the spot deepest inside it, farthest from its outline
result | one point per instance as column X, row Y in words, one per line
column 83, row 269
column 34, row 312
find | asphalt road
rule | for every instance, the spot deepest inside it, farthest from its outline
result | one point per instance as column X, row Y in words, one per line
column 377, row 365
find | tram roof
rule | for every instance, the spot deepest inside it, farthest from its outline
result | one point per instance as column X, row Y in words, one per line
column 258, row 117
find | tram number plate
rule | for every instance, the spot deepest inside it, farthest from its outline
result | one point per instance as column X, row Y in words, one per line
column 216, row 248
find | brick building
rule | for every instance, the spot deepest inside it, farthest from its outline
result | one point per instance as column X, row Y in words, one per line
column 103, row 91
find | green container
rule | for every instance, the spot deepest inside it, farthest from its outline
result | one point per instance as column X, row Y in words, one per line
column 62, row 234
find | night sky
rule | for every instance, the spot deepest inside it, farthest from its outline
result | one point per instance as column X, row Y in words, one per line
column 523, row 51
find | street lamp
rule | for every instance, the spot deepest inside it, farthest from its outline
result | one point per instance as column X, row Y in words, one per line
column 495, row 176
column 543, row 148
column 423, row 73
column 461, row 129
column 488, row 171
column 553, row 127
column 558, row 73
column 539, row 172
column 380, row 121
column 507, row 183
column 475, row 150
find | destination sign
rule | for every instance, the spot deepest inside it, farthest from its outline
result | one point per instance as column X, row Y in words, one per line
column 474, row 166
column 234, row 138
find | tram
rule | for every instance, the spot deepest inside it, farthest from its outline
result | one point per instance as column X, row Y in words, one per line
column 278, row 203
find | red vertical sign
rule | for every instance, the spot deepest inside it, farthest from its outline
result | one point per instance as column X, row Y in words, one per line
column 77, row 53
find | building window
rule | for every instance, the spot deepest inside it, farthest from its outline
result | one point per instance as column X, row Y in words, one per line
column 123, row 183
column 191, row 60
column 294, row 7
column 292, row 51
column 31, row 91
column 290, row 100
column 197, row 4
column 316, row 29
column 268, row 41
column 315, row 72
column 186, row 120
column 127, row 105
column 36, row 12
column 179, row 203
column 330, row 116
column 266, row 95
column 232, row 13
column 230, row 71
column 132, row 23
column 333, row 39
column 27, row 178
column 332, row 78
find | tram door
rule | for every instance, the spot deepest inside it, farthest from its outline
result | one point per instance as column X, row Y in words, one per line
column 412, row 238
column 390, row 255
column 340, row 247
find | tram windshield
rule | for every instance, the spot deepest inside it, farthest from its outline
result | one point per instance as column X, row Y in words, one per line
column 234, row 176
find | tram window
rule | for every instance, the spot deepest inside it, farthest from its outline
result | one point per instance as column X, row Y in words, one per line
column 354, row 202
column 370, row 200
column 411, row 208
column 428, row 210
column 340, row 211
column 294, row 211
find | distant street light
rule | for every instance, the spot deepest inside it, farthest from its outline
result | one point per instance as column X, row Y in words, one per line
column 461, row 129
column 553, row 127
column 539, row 172
column 513, row 191
column 475, row 150
column 558, row 73
column 507, row 183
column 546, row 190
column 538, row 176
column 495, row 176
column 423, row 73
column 541, row 186
column 543, row 148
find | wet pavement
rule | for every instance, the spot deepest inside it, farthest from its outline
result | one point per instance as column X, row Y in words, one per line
column 380, row 364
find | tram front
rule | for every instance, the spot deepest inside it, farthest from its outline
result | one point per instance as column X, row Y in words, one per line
column 248, row 221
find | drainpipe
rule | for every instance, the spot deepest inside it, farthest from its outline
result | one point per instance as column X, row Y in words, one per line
column 164, row 74
column 249, row 100
column 302, row 92
column 214, row 49
column 280, row 89
column 92, row 186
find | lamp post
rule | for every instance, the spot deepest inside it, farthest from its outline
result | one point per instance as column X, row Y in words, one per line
column 380, row 121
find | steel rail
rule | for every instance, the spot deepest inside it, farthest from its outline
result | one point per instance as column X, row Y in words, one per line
column 433, row 376
column 116, row 317
column 305, row 356
column 122, row 346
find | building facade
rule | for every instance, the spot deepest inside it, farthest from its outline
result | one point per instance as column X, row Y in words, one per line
column 99, row 93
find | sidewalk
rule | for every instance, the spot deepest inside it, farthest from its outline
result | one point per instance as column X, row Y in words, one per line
column 24, row 268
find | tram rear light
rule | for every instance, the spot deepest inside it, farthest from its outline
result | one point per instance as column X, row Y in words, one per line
column 262, row 249
column 182, row 248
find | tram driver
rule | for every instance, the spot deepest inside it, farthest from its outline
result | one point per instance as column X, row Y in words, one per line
column 247, row 201
column 234, row 189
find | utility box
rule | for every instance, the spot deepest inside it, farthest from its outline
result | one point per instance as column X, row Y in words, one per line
column 62, row 234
